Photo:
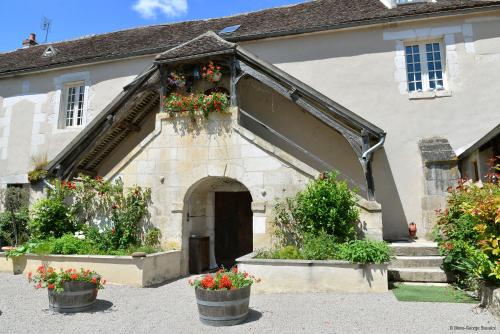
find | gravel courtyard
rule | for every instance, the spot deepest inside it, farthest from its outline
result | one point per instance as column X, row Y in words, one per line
column 171, row 308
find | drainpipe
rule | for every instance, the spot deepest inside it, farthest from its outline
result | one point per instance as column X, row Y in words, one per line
column 378, row 145
column 366, row 163
column 48, row 184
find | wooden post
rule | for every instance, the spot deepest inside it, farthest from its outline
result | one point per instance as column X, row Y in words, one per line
column 232, row 88
column 367, row 166
column 163, row 85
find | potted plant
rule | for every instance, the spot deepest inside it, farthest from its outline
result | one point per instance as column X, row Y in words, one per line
column 223, row 297
column 212, row 72
column 68, row 290
column 177, row 79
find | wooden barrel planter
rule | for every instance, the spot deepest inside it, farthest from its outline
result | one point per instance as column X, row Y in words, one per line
column 76, row 297
column 223, row 307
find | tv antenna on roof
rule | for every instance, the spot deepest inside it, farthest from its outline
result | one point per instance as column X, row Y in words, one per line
column 45, row 25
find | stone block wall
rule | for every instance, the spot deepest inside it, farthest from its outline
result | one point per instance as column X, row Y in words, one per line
column 178, row 158
column 440, row 166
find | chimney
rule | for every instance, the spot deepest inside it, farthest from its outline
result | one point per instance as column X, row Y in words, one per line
column 31, row 41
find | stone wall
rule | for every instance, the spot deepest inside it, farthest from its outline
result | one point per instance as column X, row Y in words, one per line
column 440, row 166
column 180, row 155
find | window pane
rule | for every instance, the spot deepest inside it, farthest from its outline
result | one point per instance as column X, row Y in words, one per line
column 432, row 84
column 70, row 106
column 436, row 46
column 439, row 74
column 428, row 47
column 429, row 57
column 413, row 68
column 438, row 65
column 419, row 85
column 431, row 75
column 437, row 56
column 79, row 119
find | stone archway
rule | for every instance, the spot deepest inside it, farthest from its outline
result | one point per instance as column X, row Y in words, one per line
column 220, row 208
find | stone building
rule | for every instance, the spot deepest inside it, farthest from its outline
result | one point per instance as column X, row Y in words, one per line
column 384, row 92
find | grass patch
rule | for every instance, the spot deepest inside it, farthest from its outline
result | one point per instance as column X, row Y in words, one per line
column 436, row 294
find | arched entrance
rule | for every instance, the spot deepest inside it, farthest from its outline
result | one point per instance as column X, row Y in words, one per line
column 220, row 208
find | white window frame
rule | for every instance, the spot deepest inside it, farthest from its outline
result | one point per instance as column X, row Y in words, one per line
column 424, row 65
column 80, row 87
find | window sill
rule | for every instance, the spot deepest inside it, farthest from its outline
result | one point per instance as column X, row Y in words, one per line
column 429, row 94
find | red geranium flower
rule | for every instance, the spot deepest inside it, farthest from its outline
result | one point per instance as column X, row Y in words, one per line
column 208, row 282
column 74, row 276
column 225, row 282
column 51, row 286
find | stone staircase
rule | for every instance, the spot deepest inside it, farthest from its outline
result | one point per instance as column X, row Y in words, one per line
column 417, row 262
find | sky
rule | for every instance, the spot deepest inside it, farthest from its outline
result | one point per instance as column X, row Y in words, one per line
column 75, row 18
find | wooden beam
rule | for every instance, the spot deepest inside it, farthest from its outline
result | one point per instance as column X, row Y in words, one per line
column 233, row 91
column 130, row 126
column 367, row 167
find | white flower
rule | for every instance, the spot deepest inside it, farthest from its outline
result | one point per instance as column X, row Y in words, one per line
column 80, row 235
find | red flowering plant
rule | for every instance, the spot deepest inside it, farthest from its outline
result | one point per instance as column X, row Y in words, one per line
column 468, row 232
column 196, row 103
column 224, row 280
column 48, row 277
column 212, row 72
column 215, row 102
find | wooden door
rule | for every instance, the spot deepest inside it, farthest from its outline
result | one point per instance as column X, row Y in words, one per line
column 233, row 226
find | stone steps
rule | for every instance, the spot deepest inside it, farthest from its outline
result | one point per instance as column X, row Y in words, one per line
column 415, row 249
column 417, row 262
column 435, row 275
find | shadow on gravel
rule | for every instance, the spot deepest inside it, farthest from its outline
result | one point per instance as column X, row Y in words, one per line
column 100, row 305
column 253, row 315
column 159, row 285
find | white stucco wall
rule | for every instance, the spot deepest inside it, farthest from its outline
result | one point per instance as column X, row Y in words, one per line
column 30, row 110
column 362, row 70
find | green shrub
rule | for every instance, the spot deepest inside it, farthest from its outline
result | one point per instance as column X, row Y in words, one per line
column 286, row 227
column 327, row 205
column 14, row 221
column 9, row 235
column 69, row 244
column 51, row 217
column 153, row 237
column 468, row 234
column 365, row 251
column 320, row 247
column 284, row 253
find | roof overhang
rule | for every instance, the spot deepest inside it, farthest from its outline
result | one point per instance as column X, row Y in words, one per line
column 125, row 112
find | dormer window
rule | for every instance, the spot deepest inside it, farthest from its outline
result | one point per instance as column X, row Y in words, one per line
column 50, row 51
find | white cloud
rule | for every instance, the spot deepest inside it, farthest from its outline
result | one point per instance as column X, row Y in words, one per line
column 149, row 8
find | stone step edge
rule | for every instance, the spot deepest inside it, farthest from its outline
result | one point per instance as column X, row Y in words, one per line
column 419, row 257
column 418, row 269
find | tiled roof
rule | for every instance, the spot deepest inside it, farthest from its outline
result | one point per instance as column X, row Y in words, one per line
column 305, row 17
column 209, row 42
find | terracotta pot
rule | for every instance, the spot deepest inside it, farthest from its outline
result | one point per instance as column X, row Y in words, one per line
column 412, row 229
